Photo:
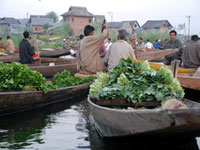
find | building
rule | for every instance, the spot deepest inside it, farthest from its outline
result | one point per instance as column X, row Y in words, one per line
column 8, row 21
column 115, row 26
column 134, row 24
column 36, row 23
column 78, row 18
column 162, row 25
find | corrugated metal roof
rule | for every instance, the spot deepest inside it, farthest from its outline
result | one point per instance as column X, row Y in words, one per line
column 78, row 11
column 9, row 21
column 115, row 24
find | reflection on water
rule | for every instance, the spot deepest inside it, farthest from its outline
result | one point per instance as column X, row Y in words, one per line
column 65, row 126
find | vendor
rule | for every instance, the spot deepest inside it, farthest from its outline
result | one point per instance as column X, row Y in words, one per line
column 25, row 50
column 9, row 45
column 89, row 59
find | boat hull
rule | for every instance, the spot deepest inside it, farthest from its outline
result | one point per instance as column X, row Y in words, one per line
column 119, row 123
column 12, row 102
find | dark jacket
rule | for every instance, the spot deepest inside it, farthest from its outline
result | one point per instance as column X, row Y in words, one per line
column 25, row 52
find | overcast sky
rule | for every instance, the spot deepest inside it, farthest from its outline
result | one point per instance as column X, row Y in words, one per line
column 141, row 10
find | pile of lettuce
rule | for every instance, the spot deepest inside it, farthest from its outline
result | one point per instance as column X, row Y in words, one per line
column 16, row 76
column 136, row 82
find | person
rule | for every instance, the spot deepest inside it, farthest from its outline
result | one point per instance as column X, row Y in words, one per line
column 164, row 43
column 173, row 44
column 1, row 43
column 89, row 60
column 140, row 46
column 25, row 50
column 133, row 39
column 157, row 44
column 9, row 45
column 108, row 44
column 102, row 51
column 149, row 44
column 68, row 44
column 31, row 42
column 191, row 53
column 118, row 50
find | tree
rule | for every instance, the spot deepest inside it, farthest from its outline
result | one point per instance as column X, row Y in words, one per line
column 46, row 26
column 53, row 15
column 63, row 30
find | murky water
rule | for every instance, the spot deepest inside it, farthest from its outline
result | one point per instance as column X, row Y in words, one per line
column 65, row 126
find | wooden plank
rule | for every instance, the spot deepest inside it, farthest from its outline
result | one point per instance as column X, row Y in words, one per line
column 125, row 103
column 155, row 55
column 189, row 82
column 54, row 53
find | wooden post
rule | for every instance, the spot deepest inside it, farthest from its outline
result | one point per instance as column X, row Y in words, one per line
column 174, row 67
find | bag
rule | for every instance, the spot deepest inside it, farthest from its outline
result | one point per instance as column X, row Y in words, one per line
column 35, row 57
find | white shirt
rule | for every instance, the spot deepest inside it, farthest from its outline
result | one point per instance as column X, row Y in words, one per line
column 107, row 45
column 148, row 45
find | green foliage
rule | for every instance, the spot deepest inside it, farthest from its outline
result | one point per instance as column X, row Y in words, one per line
column 16, row 76
column 113, row 36
column 53, row 15
column 63, row 30
column 152, row 35
column 102, row 78
column 46, row 26
column 137, row 82
column 64, row 79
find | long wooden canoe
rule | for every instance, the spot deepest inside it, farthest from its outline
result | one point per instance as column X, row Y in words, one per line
column 119, row 123
column 189, row 82
column 158, row 54
column 54, row 53
column 50, row 71
column 11, row 102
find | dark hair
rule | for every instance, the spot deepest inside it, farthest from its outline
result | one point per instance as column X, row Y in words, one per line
column 109, row 39
column 173, row 31
column 81, row 36
column 30, row 38
column 8, row 37
column 122, row 34
column 88, row 29
column 147, row 40
column 26, row 34
column 194, row 38
column 140, row 38
column 0, row 38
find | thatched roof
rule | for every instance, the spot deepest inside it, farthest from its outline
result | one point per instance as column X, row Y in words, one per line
column 156, row 24
column 78, row 12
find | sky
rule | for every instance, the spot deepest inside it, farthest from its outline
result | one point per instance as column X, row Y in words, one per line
column 141, row 10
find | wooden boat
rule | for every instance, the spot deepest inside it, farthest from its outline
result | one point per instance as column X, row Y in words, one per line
column 155, row 55
column 54, row 53
column 189, row 82
column 119, row 123
column 11, row 102
column 50, row 71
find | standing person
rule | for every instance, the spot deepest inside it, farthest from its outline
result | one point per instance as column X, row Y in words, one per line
column 81, row 36
column 25, row 50
column 157, row 44
column 191, row 53
column 173, row 43
column 140, row 46
column 89, row 61
column 108, row 44
column 133, row 39
column 149, row 44
column 118, row 50
column 9, row 45
column 1, row 43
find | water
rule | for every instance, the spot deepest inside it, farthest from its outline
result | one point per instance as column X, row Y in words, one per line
column 65, row 126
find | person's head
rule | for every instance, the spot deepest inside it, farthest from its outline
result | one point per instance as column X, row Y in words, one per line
column 122, row 34
column 26, row 34
column 81, row 36
column 109, row 40
column 166, row 40
column 30, row 38
column 159, row 41
column 173, row 34
column 8, row 37
column 0, row 38
column 194, row 38
column 140, row 40
column 88, row 30
column 156, row 40
column 147, row 40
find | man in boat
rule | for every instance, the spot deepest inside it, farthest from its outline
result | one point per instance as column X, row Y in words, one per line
column 9, row 45
column 118, row 50
column 173, row 44
column 25, row 50
column 89, row 60
column 149, row 44
column 140, row 46
column 108, row 44
column 191, row 53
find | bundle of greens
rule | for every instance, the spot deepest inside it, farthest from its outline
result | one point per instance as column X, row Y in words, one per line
column 16, row 76
column 64, row 79
column 136, row 82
